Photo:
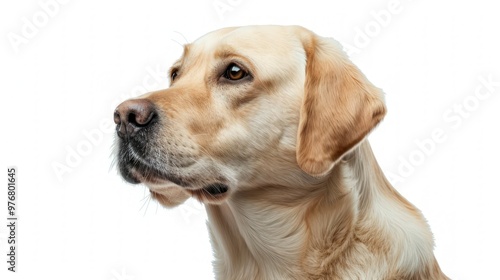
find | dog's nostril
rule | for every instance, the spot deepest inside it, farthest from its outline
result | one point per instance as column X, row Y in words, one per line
column 116, row 117
column 132, row 119
column 140, row 119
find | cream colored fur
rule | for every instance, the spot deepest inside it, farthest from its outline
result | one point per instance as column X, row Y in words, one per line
column 306, row 198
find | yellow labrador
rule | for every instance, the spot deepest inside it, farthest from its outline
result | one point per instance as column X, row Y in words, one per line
column 267, row 126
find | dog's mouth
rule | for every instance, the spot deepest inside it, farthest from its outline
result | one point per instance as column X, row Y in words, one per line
column 135, row 169
column 139, row 172
column 213, row 193
column 216, row 189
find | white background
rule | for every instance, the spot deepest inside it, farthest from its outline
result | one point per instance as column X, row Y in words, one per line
column 62, row 78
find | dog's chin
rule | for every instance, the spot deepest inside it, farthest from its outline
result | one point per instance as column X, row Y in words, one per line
column 169, row 197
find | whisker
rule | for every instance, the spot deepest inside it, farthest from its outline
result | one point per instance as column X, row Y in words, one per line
column 147, row 205
column 187, row 42
column 144, row 203
column 177, row 43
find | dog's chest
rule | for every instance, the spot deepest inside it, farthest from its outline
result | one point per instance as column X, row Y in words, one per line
column 265, row 243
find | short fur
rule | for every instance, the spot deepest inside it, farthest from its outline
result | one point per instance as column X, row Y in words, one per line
column 306, row 198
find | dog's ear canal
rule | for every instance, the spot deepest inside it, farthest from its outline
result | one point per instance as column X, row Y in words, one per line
column 340, row 106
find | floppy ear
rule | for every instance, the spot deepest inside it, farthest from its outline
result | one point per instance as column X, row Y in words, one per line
column 340, row 106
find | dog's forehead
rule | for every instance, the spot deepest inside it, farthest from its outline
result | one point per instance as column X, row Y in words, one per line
column 250, row 40
column 272, row 50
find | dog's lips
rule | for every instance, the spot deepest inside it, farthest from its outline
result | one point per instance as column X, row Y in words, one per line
column 149, row 180
column 168, row 193
column 135, row 176
column 216, row 189
column 140, row 171
column 136, row 169
column 212, row 193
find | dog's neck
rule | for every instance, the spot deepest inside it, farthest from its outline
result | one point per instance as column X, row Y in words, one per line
column 265, row 229
column 293, row 230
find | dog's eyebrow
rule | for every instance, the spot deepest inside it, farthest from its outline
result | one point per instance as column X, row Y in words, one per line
column 225, row 52
column 177, row 64
column 228, row 52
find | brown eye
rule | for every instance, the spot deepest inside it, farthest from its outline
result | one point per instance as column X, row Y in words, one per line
column 234, row 72
column 173, row 75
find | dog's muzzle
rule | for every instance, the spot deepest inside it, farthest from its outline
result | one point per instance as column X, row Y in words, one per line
column 135, row 121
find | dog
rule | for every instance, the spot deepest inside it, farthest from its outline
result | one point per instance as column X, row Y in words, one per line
column 267, row 126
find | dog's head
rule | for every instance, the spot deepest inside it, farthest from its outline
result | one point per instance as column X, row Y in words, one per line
column 247, row 107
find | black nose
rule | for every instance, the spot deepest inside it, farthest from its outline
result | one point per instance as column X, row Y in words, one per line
column 133, row 115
